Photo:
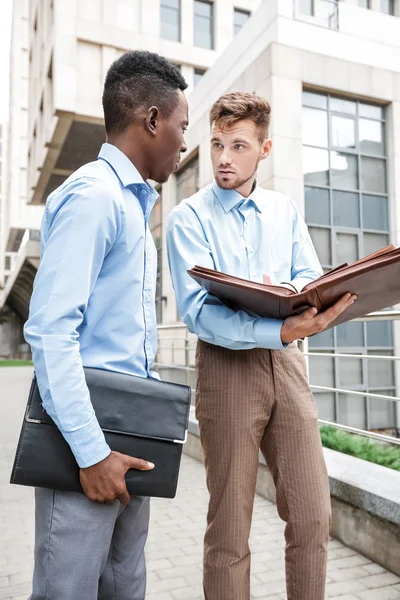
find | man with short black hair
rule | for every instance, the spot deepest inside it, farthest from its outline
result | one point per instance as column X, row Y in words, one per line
column 93, row 305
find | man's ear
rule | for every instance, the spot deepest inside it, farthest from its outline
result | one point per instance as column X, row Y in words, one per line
column 265, row 149
column 151, row 120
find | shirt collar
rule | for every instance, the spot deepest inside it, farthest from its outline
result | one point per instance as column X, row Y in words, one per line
column 231, row 198
column 124, row 168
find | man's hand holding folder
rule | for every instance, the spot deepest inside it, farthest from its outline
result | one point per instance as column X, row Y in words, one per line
column 310, row 321
column 326, row 302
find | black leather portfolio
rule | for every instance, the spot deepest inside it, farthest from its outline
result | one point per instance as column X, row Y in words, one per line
column 144, row 418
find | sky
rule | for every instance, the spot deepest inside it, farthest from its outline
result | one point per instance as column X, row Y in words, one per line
column 5, row 36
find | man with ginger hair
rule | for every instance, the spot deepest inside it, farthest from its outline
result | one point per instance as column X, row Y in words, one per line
column 252, row 390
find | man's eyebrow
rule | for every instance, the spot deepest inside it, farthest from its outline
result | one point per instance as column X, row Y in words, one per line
column 215, row 138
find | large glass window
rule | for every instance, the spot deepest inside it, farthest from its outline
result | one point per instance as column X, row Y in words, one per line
column 170, row 26
column 187, row 180
column 203, row 24
column 239, row 19
column 387, row 7
column 346, row 209
column 155, row 224
column 306, row 7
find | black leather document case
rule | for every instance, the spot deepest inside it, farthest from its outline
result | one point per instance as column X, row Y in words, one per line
column 144, row 418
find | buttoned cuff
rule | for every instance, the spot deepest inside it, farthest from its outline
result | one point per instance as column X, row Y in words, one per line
column 267, row 333
column 88, row 444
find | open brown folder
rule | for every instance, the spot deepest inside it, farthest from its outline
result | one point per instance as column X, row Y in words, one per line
column 375, row 280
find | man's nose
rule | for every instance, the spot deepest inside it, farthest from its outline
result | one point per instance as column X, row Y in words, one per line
column 183, row 148
column 225, row 159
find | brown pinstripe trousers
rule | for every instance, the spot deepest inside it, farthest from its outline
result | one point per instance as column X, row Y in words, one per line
column 248, row 400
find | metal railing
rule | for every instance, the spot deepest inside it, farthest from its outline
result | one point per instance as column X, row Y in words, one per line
column 184, row 346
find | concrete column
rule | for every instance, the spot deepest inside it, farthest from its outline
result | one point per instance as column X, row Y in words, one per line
column 150, row 18
column 282, row 171
column 187, row 22
column 223, row 24
column 188, row 73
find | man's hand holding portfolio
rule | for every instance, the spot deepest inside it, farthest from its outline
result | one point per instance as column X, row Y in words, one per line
column 310, row 321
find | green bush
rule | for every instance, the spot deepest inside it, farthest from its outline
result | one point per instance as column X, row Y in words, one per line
column 16, row 363
column 364, row 448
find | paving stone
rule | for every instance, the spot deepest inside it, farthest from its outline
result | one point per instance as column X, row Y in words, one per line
column 175, row 544
column 348, row 574
column 383, row 593
column 376, row 581
column 343, row 587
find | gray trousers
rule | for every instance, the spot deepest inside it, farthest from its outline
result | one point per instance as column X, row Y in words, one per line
column 89, row 551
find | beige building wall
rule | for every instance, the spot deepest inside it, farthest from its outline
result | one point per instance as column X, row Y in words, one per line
column 18, row 216
column 278, row 54
column 3, row 187
column 72, row 45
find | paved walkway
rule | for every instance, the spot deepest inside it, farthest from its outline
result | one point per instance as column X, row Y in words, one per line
column 175, row 541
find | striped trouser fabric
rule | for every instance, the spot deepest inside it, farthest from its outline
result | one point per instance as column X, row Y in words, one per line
column 248, row 400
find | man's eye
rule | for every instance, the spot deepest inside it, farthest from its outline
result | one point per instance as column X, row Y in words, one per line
column 217, row 145
column 239, row 146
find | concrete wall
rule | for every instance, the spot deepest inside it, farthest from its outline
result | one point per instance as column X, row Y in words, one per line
column 3, row 190
column 72, row 45
column 19, row 215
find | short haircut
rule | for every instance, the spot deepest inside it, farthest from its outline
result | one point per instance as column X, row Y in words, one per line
column 237, row 106
column 139, row 80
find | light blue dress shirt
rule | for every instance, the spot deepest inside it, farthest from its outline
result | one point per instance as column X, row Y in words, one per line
column 93, row 301
column 245, row 237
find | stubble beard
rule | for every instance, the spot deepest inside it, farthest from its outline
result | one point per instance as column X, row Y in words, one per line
column 234, row 184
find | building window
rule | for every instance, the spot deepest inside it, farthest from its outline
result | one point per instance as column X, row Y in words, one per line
column 187, row 180
column 387, row 7
column 198, row 74
column 364, row 3
column 239, row 19
column 170, row 13
column 346, row 209
column 306, row 7
column 155, row 224
column 203, row 24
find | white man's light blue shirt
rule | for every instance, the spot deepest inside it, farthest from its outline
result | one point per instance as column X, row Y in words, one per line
column 93, row 302
column 245, row 237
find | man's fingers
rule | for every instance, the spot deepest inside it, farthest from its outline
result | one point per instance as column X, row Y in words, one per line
column 341, row 305
column 124, row 498
column 139, row 464
column 309, row 313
